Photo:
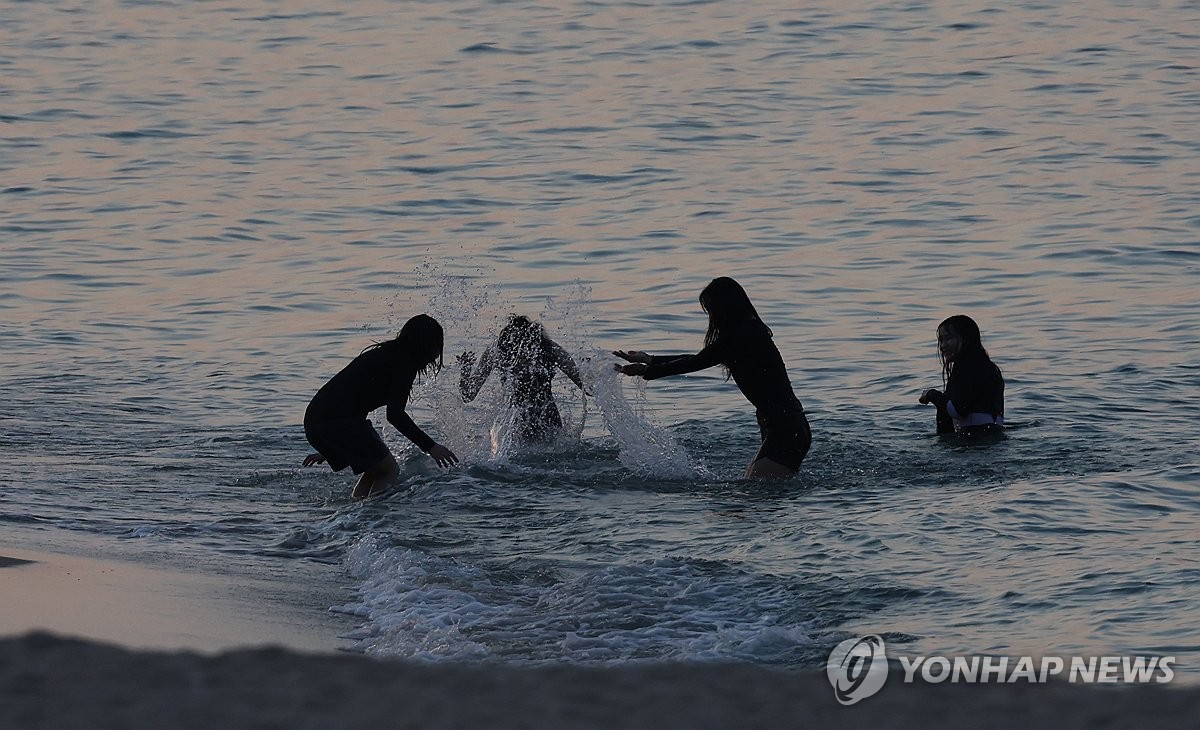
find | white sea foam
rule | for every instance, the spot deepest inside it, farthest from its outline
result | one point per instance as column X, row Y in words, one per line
column 418, row 606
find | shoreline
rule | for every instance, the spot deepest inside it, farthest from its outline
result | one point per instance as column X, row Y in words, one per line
column 85, row 639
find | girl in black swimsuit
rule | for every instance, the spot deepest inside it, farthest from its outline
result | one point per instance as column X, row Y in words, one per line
column 973, row 403
column 336, row 424
column 741, row 342
column 527, row 360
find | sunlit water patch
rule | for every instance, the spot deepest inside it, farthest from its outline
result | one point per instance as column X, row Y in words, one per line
column 210, row 209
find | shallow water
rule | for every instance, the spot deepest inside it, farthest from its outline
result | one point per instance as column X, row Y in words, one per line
column 210, row 207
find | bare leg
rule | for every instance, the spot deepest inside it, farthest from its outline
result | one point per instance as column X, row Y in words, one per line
column 377, row 478
column 764, row 468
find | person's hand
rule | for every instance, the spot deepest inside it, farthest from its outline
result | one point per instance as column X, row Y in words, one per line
column 928, row 396
column 633, row 356
column 314, row 458
column 633, row 368
column 443, row 456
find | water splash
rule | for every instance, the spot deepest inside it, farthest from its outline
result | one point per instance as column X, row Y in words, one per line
column 472, row 310
column 644, row 447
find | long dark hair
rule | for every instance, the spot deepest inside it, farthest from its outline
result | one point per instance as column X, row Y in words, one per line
column 521, row 338
column 970, row 341
column 728, row 309
column 422, row 336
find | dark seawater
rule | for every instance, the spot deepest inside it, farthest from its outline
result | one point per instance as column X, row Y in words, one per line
column 208, row 208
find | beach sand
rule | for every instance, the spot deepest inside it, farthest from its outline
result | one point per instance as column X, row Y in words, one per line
column 144, row 607
column 157, row 650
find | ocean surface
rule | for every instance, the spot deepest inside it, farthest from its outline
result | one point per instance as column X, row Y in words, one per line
column 208, row 208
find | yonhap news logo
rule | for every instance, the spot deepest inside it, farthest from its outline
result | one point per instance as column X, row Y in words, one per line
column 858, row 668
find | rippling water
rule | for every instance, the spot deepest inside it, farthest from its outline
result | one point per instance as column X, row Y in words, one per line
column 208, row 208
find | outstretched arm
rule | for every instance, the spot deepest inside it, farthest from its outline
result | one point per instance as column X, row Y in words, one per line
column 638, row 361
column 471, row 380
column 634, row 356
column 565, row 362
column 660, row 366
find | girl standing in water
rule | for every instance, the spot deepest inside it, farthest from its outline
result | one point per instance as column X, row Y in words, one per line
column 973, row 403
column 739, row 340
column 336, row 424
column 527, row 360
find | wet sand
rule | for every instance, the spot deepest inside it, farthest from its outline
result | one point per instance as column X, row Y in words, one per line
column 149, row 608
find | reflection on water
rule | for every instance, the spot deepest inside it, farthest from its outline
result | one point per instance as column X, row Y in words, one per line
column 208, row 208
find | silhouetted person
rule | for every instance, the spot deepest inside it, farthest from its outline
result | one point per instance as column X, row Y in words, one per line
column 973, row 403
column 526, row 360
column 336, row 424
column 739, row 340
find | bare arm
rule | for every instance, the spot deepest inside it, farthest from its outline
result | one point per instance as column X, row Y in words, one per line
column 471, row 380
column 565, row 362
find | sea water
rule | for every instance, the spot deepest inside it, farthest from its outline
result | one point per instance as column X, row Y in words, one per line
column 208, row 208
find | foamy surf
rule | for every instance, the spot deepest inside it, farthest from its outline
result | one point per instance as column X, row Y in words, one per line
column 419, row 606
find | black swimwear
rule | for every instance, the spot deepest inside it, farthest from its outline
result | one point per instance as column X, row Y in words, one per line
column 975, row 385
column 756, row 366
column 352, row 442
column 336, row 418
column 785, row 441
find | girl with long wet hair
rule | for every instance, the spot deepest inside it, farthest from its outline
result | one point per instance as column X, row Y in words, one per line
column 526, row 359
column 740, row 341
column 336, row 424
column 973, row 402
